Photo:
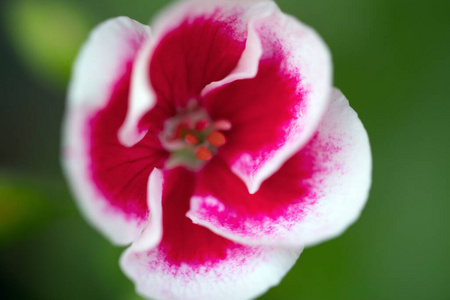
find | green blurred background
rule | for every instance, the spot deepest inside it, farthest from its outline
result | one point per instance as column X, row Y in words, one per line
column 391, row 60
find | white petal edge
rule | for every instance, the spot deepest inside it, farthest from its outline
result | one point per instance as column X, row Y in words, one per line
column 344, row 191
column 142, row 97
column 249, row 62
column 100, row 64
column 344, row 200
column 111, row 44
column 152, row 234
column 263, row 269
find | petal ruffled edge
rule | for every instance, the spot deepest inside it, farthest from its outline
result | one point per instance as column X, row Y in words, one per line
column 142, row 97
column 336, row 170
column 339, row 202
column 101, row 63
column 247, row 273
column 110, row 47
column 152, row 234
column 248, row 64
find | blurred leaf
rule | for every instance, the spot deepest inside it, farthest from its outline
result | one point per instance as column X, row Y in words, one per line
column 27, row 204
column 21, row 210
column 47, row 36
column 67, row 260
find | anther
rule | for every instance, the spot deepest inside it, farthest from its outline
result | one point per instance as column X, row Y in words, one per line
column 203, row 153
column 217, row 138
column 191, row 139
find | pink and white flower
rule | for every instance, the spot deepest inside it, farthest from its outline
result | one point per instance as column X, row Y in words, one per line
column 214, row 144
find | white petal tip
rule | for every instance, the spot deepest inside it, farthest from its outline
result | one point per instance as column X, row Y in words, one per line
column 129, row 137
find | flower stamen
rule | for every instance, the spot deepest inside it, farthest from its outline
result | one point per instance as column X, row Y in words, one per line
column 217, row 138
column 191, row 139
column 203, row 153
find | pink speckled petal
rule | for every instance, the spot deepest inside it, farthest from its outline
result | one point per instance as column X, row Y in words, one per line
column 315, row 195
column 275, row 111
column 193, row 263
column 108, row 180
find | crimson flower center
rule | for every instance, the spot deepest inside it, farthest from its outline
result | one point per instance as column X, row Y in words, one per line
column 192, row 137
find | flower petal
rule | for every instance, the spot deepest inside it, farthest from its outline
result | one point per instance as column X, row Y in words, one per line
column 108, row 180
column 275, row 113
column 101, row 62
column 191, row 262
column 247, row 66
column 142, row 98
column 315, row 195
column 194, row 43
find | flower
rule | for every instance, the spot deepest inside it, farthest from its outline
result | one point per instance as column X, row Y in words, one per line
column 214, row 144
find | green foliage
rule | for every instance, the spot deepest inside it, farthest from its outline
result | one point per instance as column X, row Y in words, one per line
column 24, row 209
column 47, row 35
